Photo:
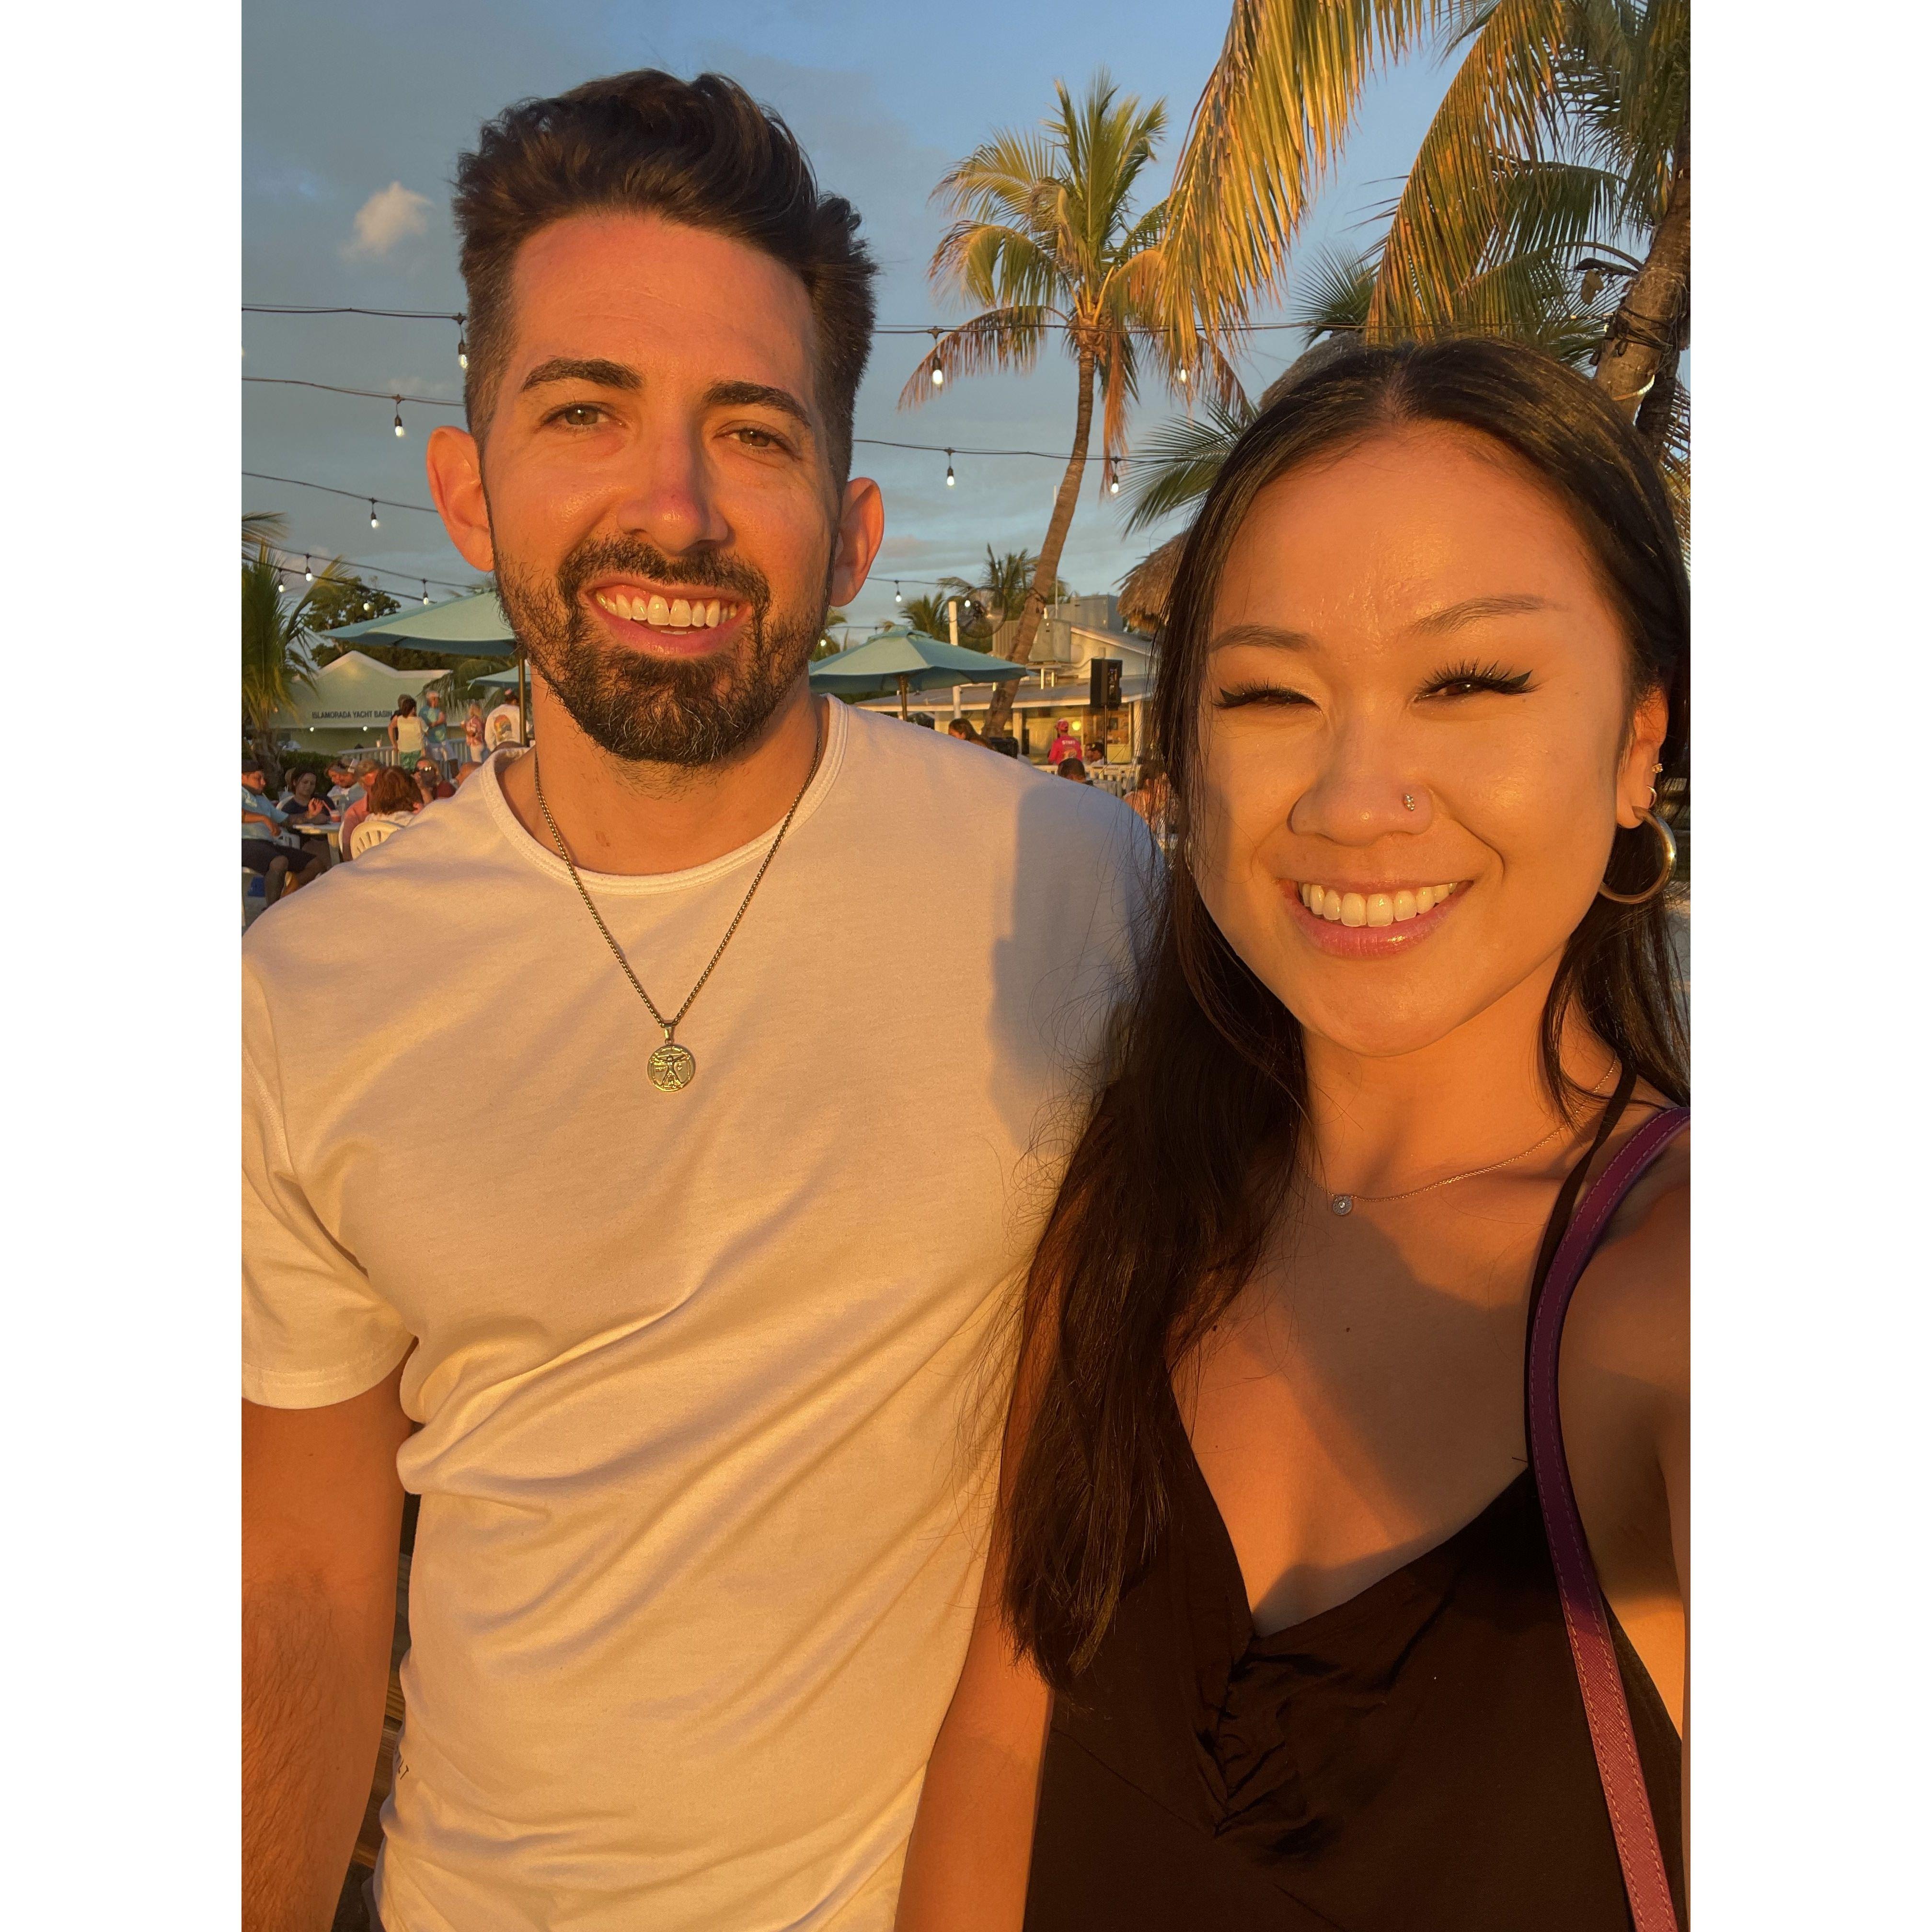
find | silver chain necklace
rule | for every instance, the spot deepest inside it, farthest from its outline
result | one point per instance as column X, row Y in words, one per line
column 672, row 1065
column 1345, row 1204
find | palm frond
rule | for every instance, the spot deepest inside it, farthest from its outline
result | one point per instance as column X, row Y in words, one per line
column 1001, row 338
column 1268, row 126
column 1179, row 460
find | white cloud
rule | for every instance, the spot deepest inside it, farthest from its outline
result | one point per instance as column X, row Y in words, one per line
column 392, row 215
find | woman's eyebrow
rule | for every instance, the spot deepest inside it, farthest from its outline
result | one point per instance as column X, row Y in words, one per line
column 1271, row 635
column 1471, row 610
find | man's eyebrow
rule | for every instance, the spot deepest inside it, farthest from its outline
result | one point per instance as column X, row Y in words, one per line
column 1471, row 610
column 1270, row 635
column 738, row 395
column 605, row 375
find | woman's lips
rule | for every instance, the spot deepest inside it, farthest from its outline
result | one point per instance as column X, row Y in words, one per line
column 1373, row 924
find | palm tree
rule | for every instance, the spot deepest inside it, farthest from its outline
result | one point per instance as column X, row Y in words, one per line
column 1043, row 241
column 273, row 662
column 1563, row 135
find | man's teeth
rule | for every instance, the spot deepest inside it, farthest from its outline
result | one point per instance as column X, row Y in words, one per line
column 674, row 613
column 1371, row 908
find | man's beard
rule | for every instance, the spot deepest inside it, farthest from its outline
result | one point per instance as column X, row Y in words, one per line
column 648, row 708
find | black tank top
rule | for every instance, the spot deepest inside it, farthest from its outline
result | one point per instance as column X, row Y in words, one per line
column 1414, row 1759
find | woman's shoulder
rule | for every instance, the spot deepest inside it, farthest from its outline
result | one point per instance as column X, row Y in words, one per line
column 1631, row 1316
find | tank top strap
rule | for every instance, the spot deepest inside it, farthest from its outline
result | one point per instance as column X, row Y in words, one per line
column 1568, row 1244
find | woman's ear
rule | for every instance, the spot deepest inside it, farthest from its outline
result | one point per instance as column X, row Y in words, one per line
column 1637, row 781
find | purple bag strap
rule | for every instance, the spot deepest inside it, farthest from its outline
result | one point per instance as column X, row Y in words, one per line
column 1585, row 1615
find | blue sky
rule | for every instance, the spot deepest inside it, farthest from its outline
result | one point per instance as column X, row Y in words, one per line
column 359, row 109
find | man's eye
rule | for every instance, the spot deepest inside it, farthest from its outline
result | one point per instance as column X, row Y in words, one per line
column 758, row 439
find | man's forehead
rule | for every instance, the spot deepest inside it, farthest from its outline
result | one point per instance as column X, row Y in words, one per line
column 638, row 288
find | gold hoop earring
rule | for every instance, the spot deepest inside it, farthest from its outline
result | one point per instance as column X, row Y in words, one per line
column 1662, row 878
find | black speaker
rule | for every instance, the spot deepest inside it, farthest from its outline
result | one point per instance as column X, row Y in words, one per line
column 1103, row 684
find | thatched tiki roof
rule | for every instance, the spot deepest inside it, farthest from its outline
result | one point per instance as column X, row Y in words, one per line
column 1145, row 588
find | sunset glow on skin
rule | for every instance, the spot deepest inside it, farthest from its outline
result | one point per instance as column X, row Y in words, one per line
column 1416, row 618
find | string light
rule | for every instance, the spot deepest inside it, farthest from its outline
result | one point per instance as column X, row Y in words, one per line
column 896, row 598
column 375, row 522
column 462, row 345
column 308, row 570
column 949, row 469
column 399, row 416
column 938, row 373
column 1184, row 375
column 425, row 585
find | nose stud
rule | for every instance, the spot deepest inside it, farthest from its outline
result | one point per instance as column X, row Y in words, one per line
column 1408, row 799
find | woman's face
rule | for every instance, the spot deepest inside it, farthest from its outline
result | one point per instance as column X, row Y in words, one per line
column 303, row 785
column 1417, row 620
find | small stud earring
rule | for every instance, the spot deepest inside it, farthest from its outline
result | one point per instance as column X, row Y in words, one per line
column 1408, row 799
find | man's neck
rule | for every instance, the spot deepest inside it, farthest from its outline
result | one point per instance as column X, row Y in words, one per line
column 617, row 816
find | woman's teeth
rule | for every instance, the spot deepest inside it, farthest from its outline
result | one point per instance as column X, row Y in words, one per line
column 1371, row 908
column 666, row 614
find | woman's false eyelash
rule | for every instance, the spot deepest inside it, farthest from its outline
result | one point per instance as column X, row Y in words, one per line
column 1473, row 677
column 1236, row 695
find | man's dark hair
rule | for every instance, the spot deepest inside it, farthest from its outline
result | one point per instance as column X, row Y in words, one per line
column 702, row 152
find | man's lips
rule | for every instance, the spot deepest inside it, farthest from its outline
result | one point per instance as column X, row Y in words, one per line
column 692, row 620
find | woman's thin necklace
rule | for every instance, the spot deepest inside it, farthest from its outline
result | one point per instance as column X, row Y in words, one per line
column 672, row 1065
column 1345, row 1204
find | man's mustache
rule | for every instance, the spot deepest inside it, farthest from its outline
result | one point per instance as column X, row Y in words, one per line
column 708, row 570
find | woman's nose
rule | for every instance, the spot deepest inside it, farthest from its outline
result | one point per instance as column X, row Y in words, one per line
column 1364, row 790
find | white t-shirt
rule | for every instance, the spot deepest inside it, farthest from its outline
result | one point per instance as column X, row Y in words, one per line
column 504, row 726
column 696, row 1373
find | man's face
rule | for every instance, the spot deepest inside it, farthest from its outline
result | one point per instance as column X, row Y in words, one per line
column 253, row 778
column 661, row 515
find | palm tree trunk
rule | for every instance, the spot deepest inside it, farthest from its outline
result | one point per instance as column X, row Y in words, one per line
column 1641, row 348
column 1046, row 569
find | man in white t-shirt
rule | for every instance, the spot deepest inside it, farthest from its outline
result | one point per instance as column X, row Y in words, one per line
column 790, row 1010
column 503, row 726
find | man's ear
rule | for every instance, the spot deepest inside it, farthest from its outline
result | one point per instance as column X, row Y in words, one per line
column 862, row 529
column 454, row 466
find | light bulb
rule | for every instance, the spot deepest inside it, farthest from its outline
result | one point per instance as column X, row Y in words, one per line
column 399, row 416
column 1114, row 487
column 370, row 607
column 949, row 469
column 938, row 376
column 897, row 599
column 308, row 571
column 375, row 522
column 462, row 345
column 1184, row 375
column 425, row 590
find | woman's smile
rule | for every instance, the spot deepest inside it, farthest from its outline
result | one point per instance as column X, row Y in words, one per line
column 1366, row 921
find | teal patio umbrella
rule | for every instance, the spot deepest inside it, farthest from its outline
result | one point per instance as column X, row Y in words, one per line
column 905, row 660
column 465, row 627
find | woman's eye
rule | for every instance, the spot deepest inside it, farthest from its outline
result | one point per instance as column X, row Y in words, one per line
column 1236, row 696
column 1468, row 680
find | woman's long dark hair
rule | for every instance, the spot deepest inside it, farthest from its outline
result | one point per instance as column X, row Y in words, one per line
column 1185, row 1164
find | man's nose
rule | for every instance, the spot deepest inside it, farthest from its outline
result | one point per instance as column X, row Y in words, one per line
column 669, row 497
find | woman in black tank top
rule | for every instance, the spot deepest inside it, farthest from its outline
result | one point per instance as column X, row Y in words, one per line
column 1339, row 1576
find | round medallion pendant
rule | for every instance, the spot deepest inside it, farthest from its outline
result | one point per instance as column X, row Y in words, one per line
column 670, row 1067
column 1338, row 1204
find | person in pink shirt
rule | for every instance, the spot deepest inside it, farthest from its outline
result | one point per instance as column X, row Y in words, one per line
column 1066, row 743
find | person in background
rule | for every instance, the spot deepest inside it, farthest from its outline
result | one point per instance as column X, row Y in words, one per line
column 406, row 733
column 267, row 845
column 434, row 721
column 1074, row 768
column 429, row 780
column 504, row 725
column 343, row 789
column 472, row 735
column 1065, row 742
column 307, row 808
column 961, row 728
column 357, row 807
column 394, row 800
column 1152, row 799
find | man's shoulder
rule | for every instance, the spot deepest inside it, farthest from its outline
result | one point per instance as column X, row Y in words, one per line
column 993, row 794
